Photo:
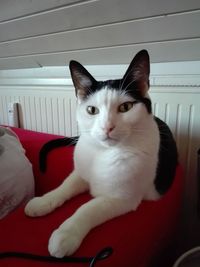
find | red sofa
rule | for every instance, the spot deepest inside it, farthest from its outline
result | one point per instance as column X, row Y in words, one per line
column 138, row 238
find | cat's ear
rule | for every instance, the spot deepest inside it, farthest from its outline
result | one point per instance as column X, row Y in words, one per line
column 138, row 72
column 82, row 79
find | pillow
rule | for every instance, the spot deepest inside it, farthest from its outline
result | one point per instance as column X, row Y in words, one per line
column 16, row 175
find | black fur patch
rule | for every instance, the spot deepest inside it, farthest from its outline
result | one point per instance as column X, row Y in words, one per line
column 168, row 158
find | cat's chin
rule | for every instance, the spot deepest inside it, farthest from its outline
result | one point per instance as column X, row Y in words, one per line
column 108, row 142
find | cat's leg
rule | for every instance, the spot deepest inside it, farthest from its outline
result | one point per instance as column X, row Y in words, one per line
column 71, row 186
column 67, row 238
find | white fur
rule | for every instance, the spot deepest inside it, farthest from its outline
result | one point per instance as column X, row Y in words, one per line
column 115, row 158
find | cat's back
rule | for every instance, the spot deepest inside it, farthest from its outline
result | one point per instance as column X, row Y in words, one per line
column 167, row 158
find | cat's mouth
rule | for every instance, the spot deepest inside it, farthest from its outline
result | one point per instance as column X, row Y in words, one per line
column 106, row 139
column 110, row 141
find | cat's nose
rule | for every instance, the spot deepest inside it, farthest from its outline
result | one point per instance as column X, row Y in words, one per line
column 108, row 128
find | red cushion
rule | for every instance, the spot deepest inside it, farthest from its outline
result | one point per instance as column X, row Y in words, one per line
column 136, row 237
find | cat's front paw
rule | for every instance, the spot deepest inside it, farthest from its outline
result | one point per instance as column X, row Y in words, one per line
column 38, row 206
column 63, row 242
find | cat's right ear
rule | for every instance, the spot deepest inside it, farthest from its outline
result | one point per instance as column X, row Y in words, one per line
column 82, row 79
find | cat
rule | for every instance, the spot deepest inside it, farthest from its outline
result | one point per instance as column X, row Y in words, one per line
column 124, row 154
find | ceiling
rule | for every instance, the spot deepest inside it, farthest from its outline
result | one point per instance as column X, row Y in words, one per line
column 97, row 32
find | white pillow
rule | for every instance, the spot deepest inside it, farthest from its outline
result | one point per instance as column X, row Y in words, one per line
column 16, row 176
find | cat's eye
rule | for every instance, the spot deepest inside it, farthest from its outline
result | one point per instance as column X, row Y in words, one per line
column 126, row 106
column 92, row 110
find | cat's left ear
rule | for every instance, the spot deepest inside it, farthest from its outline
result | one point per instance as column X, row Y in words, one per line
column 82, row 79
column 138, row 72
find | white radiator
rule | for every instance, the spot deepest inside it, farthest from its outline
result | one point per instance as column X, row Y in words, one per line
column 42, row 110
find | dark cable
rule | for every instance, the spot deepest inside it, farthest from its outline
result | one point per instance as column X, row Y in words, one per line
column 101, row 255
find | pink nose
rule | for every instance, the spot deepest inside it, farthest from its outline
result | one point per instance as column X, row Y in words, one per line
column 108, row 128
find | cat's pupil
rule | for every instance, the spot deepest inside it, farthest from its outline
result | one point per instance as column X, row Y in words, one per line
column 92, row 110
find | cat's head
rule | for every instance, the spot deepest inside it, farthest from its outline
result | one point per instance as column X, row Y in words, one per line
column 110, row 111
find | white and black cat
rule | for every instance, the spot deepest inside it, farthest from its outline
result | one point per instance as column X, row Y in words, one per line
column 124, row 154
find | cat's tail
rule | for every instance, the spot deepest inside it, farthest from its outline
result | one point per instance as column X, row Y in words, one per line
column 49, row 146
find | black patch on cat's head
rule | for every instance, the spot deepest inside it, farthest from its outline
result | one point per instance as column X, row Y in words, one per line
column 136, row 79
column 135, row 82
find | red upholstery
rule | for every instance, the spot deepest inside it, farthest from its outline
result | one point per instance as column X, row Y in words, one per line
column 136, row 237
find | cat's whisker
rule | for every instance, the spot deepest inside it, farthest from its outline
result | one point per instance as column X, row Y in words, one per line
column 83, row 132
column 86, row 130
column 124, row 79
column 124, row 89
column 135, row 129
column 128, row 86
